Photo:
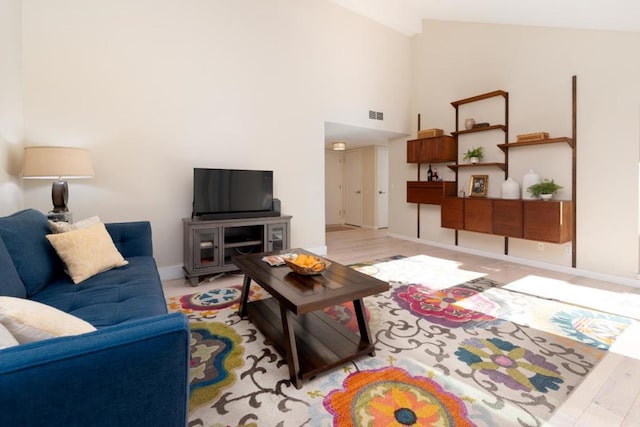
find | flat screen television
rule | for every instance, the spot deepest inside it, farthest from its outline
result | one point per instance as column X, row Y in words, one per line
column 232, row 193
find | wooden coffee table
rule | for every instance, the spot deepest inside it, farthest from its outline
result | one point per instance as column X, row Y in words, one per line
column 293, row 319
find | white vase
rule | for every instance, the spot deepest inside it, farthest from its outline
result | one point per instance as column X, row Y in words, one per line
column 546, row 196
column 468, row 123
column 474, row 160
column 529, row 179
column 510, row 189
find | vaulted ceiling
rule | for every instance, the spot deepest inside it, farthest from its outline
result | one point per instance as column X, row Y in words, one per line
column 406, row 15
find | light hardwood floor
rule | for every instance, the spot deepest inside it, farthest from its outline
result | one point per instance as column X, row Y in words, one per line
column 609, row 396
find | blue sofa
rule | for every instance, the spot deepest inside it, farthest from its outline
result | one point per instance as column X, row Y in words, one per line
column 132, row 371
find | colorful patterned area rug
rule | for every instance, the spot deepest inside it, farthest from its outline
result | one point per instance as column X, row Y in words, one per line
column 467, row 354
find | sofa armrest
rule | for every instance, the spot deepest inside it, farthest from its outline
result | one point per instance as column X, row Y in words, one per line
column 135, row 373
column 131, row 238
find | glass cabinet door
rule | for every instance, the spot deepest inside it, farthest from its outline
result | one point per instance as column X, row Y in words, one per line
column 277, row 238
column 207, row 248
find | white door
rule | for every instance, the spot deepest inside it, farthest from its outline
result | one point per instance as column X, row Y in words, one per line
column 333, row 187
column 382, row 187
column 353, row 187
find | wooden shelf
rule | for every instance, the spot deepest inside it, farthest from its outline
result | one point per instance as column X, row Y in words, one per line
column 505, row 147
column 242, row 244
column 475, row 165
column 322, row 343
column 480, row 129
column 481, row 97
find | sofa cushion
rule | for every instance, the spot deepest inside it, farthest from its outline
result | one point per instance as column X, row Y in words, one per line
column 131, row 238
column 134, row 374
column 10, row 283
column 115, row 296
column 30, row 321
column 35, row 260
column 86, row 251
column 6, row 339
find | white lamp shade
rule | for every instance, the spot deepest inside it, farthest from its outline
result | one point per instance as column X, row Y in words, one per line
column 56, row 163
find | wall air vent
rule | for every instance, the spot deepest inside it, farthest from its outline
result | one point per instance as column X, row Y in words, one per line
column 376, row 115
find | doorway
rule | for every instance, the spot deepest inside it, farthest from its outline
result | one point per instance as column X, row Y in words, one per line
column 346, row 173
column 353, row 188
column 356, row 187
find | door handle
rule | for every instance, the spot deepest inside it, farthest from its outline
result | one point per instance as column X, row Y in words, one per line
column 381, row 192
column 358, row 192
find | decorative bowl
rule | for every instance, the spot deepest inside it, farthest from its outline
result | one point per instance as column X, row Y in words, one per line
column 317, row 266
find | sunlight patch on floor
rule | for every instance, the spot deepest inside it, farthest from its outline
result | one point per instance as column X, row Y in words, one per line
column 437, row 273
column 620, row 303
column 616, row 303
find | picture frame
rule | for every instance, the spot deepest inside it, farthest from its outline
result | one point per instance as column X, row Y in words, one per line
column 478, row 185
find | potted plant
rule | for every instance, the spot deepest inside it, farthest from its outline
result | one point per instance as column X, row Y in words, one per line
column 544, row 190
column 474, row 155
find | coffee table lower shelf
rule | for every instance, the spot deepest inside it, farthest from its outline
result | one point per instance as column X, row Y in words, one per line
column 322, row 343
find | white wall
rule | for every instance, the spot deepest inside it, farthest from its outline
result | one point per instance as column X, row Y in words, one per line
column 458, row 60
column 333, row 187
column 154, row 89
column 10, row 107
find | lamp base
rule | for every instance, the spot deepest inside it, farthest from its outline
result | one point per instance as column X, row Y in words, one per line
column 60, row 195
column 60, row 217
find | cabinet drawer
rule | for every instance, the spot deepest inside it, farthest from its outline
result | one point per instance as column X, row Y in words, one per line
column 548, row 221
column 452, row 213
column 478, row 215
column 507, row 218
column 438, row 149
column 429, row 192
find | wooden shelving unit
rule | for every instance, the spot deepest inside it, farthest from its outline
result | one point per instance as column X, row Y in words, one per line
column 552, row 221
column 459, row 208
column 434, row 150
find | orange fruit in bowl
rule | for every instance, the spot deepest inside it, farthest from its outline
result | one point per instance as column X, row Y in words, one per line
column 301, row 260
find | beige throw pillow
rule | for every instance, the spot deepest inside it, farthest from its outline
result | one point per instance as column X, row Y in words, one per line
column 87, row 251
column 6, row 339
column 30, row 321
column 63, row 227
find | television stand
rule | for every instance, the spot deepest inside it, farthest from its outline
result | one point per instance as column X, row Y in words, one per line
column 235, row 215
column 209, row 245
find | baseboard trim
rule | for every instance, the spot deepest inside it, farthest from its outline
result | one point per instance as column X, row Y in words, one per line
column 171, row 272
column 626, row 281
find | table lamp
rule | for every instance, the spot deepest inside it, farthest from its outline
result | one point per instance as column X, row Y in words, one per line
column 58, row 163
